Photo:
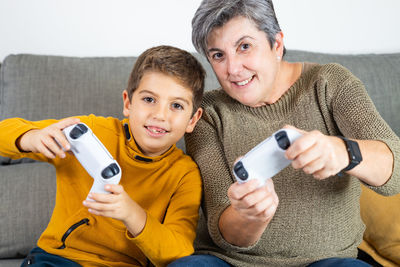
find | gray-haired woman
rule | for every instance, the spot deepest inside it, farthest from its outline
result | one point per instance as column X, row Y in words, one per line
column 307, row 214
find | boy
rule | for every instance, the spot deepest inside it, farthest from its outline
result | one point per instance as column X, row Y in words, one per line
column 152, row 214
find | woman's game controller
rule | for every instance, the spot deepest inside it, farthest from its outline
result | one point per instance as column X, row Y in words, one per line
column 266, row 159
column 93, row 156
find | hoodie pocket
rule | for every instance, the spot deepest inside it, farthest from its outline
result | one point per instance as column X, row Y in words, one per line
column 71, row 229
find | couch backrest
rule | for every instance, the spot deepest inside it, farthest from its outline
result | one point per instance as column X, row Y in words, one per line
column 38, row 87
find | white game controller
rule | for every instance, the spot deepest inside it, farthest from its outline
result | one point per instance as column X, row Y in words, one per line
column 93, row 156
column 266, row 159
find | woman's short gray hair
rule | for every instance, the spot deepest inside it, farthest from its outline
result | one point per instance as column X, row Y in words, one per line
column 215, row 13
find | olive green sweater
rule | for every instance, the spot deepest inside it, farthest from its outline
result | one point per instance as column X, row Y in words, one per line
column 315, row 219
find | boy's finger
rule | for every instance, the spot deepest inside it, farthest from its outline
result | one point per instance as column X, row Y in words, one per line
column 114, row 188
column 67, row 122
column 46, row 152
column 98, row 206
column 101, row 197
column 53, row 147
column 62, row 141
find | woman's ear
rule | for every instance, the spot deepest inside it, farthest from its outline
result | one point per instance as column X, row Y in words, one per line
column 278, row 46
column 195, row 118
column 126, row 102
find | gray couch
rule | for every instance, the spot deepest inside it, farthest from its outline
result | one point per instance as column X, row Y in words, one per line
column 38, row 87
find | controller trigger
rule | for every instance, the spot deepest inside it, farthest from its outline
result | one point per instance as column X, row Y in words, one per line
column 241, row 171
column 282, row 139
column 78, row 131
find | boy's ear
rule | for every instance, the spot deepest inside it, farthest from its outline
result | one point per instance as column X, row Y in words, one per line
column 126, row 102
column 195, row 118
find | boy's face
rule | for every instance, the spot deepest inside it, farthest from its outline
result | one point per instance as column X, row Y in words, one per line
column 160, row 112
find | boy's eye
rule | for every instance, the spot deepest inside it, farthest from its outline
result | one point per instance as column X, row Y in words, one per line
column 148, row 99
column 177, row 106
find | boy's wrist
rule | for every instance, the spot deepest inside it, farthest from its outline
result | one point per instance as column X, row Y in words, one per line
column 21, row 142
column 136, row 223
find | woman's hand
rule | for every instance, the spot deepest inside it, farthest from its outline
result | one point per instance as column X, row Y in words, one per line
column 250, row 212
column 252, row 202
column 317, row 154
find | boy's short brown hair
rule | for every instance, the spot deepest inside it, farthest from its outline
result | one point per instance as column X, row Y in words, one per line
column 172, row 61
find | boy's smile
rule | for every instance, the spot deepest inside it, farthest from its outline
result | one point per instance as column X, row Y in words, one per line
column 160, row 112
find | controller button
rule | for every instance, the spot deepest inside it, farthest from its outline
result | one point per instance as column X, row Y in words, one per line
column 241, row 171
column 78, row 131
column 110, row 171
column 282, row 139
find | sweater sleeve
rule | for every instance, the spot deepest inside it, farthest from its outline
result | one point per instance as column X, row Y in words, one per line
column 205, row 146
column 357, row 117
column 164, row 242
column 11, row 130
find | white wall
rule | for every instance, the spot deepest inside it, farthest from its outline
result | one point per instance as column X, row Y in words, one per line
column 128, row 27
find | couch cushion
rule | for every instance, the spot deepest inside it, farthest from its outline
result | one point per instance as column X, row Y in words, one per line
column 382, row 236
column 11, row 262
column 27, row 196
column 40, row 87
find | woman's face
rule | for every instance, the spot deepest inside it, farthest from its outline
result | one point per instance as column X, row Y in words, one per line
column 244, row 62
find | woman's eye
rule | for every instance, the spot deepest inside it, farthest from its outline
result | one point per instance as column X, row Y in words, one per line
column 217, row 56
column 244, row 46
column 177, row 106
column 148, row 99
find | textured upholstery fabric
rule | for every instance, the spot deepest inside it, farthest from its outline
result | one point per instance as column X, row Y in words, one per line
column 27, row 195
column 39, row 87
column 36, row 87
column 382, row 237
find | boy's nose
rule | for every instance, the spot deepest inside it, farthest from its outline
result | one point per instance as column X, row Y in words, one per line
column 160, row 112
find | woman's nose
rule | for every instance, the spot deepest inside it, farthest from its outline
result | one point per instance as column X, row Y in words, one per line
column 234, row 65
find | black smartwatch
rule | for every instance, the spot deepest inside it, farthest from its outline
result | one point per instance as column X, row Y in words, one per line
column 353, row 149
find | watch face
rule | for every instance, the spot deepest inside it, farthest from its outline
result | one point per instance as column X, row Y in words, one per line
column 354, row 152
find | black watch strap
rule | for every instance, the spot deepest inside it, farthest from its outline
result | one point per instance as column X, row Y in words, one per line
column 354, row 152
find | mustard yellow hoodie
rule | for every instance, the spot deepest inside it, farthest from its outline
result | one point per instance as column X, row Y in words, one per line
column 167, row 187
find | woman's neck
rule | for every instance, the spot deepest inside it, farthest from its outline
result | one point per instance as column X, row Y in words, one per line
column 287, row 75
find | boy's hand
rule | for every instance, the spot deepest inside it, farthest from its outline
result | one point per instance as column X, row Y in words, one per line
column 118, row 205
column 49, row 141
